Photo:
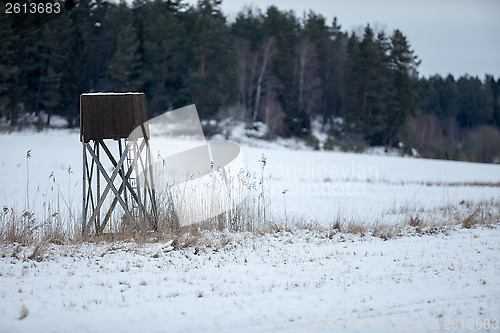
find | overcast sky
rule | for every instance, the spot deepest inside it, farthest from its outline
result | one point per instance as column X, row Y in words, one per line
column 449, row 36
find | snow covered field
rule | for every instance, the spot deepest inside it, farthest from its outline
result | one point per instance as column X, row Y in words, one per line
column 318, row 186
column 272, row 283
column 321, row 186
column 237, row 282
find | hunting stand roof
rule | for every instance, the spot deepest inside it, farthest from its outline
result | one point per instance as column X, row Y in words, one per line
column 110, row 115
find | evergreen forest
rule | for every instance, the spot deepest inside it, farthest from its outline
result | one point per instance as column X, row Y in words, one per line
column 265, row 65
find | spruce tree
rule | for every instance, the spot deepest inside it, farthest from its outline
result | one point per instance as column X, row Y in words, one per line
column 368, row 86
column 494, row 86
column 474, row 102
column 164, row 54
column 404, row 100
column 9, row 69
column 56, row 36
column 212, row 81
column 353, row 85
column 74, row 77
column 125, row 67
column 285, row 27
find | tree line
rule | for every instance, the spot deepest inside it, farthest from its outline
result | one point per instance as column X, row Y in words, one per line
column 270, row 66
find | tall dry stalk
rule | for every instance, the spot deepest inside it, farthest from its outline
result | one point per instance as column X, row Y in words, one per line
column 70, row 171
column 28, row 156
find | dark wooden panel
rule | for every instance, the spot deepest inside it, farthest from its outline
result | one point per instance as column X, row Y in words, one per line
column 111, row 115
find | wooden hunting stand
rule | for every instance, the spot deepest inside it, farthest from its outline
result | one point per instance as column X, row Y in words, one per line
column 115, row 116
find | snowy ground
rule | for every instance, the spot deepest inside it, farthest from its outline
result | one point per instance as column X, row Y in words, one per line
column 272, row 283
column 276, row 282
column 318, row 186
column 383, row 189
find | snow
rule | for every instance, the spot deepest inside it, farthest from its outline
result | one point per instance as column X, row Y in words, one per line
column 318, row 131
column 324, row 185
column 319, row 186
column 58, row 121
column 276, row 282
column 270, row 283
column 53, row 152
column 28, row 119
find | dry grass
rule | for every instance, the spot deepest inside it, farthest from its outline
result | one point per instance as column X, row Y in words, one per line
column 250, row 216
column 25, row 231
column 471, row 220
column 443, row 184
column 24, row 312
column 484, row 214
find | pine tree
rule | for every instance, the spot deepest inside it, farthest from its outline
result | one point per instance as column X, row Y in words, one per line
column 474, row 102
column 98, row 27
column 56, row 35
column 430, row 96
column 212, row 81
column 449, row 97
column 125, row 67
column 284, row 26
column 333, row 60
column 74, row 77
column 353, row 85
column 254, row 55
column 368, row 86
column 311, row 57
column 404, row 100
column 165, row 56
column 494, row 86
column 32, row 63
column 9, row 69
